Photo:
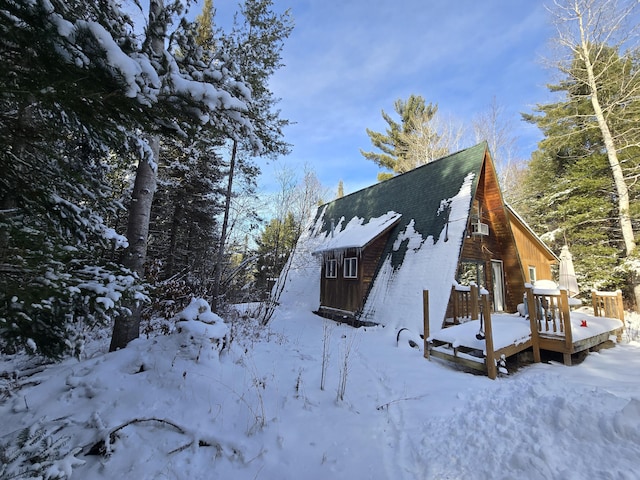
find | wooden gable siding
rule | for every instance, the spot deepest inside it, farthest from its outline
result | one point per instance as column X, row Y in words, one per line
column 531, row 253
column 499, row 244
column 348, row 294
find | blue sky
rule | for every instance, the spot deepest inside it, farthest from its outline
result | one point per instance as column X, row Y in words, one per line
column 348, row 60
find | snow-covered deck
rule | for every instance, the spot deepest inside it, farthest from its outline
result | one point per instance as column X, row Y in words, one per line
column 507, row 335
column 508, row 330
column 511, row 334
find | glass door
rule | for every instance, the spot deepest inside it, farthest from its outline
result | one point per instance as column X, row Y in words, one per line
column 497, row 274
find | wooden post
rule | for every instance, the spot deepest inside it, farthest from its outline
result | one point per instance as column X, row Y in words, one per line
column 490, row 360
column 620, row 310
column 533, row 324
column 454, row 304
column 619, row 305
column 474, row 302
column 425, row 317
column 566, row 319
column 594, row 303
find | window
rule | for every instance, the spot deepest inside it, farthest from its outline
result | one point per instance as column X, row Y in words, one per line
column 351, row 267
column 331, row 268
column 471, row 271
column 532, row 274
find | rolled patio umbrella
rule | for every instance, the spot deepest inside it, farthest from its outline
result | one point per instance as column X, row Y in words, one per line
column 568, row 279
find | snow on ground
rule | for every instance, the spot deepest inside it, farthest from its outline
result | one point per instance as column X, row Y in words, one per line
column 256, row 410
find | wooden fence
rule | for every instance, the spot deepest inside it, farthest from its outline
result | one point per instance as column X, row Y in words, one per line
column 464, row 303
column 608, row 304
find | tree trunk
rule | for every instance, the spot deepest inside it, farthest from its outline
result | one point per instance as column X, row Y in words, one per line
column 223, row 233
column 622, row 189
column 126, row 329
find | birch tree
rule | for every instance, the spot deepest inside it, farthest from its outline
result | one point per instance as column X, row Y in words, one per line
column 589, row 30
column 126, row 328
column 197, row 89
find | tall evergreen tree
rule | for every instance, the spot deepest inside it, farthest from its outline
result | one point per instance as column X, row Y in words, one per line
column 205, row 26
column 66, row 107
column 79, row 89
column 413, row 141
column 571, row 174
column 600, row 37
column 275, row 244
column 199, row 86
column 255, row 43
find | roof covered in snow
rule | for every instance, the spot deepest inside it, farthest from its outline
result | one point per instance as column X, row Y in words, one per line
column 430, row 206
column 358, row 234
column 422, row 196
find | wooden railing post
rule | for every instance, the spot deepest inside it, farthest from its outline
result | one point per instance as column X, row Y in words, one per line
column 533, row 324
column 474, row 302
column 620, row 310
column 595, row 303
column 455, row 307
column 620, row 305
column 608, row 304
column 490, row 360
column 425, row 317
column 566, row 319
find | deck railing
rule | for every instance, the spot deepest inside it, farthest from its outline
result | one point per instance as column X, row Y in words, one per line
column 608, row 304
column 464, row 303
column 548, row 316
column 469, row 303
column 551, row 311
column 550, row 323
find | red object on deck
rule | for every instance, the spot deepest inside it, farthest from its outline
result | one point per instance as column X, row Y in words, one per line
column 583, row 323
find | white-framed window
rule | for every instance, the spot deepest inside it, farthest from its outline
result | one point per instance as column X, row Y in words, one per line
column 532, row 274
column 350, row 267
column 331, row 268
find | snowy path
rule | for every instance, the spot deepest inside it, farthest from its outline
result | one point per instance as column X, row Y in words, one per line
column 401, row 457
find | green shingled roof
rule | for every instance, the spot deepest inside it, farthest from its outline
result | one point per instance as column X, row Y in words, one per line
column 418, row 195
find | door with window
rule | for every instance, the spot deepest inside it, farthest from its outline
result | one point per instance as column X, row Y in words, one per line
column 497, row 274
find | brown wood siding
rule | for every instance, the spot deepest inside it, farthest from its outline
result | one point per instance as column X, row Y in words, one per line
column 348, row 294
column 499, row 244
column 530, row 254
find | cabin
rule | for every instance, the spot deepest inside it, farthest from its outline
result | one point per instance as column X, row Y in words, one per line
column 440, row 224
column 431, row 248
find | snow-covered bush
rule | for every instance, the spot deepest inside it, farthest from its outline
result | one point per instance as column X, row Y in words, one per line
column 40, row 451
column 167, row 299
column 197, row 321
column 51, row 315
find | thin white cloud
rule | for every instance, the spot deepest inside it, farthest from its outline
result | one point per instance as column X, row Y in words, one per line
column 348, row 60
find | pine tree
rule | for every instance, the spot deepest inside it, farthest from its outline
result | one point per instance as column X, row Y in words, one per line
column 80, row 90
column 255, row 43
column 203, row 87
column 61, row 118
column 274, row 247
column 412, row 142
column 600, row 37
column 204, row 27
column 571, row 188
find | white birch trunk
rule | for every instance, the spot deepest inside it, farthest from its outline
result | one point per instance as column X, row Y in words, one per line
column 126, row 329
column 622, row 189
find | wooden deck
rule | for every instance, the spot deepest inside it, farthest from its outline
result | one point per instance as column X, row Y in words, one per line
column 551, row 327
column 555, row 328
